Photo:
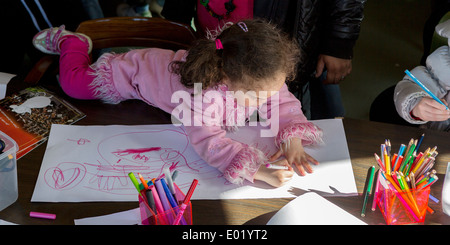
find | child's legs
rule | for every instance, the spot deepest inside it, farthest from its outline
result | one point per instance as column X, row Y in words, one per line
column 75, row 74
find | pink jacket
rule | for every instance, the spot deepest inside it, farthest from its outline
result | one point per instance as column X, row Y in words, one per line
column 144, row 74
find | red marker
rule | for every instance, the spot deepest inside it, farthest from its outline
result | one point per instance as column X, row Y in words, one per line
column 185, row 202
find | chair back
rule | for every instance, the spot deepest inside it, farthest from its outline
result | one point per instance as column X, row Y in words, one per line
column 137, row 32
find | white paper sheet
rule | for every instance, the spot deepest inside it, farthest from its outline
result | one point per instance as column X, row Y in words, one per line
column 312, row 209
column 91, row 163
column 128, row 217
column 4, row 80
column 446, row 192
column 4, row 222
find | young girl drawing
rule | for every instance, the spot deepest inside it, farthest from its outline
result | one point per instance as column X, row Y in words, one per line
column 251, row 55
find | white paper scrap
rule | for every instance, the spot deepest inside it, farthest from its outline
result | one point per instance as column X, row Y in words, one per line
column 312, row 209
column 4, row 80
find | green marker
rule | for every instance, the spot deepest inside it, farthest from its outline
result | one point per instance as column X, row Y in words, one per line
column 135, row 182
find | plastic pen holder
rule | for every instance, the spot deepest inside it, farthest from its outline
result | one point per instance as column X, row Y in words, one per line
column 397, row 207
column 149, row 217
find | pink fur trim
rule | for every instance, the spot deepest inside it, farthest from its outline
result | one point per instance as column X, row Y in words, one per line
column 103, row 85
column 308, row 132
column 245, row 165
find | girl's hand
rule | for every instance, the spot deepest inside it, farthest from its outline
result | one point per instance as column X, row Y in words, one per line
column 275, row 177
column 430, row 110
column 296, row 155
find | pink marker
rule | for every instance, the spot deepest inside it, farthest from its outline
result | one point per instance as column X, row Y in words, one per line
column 42, row 215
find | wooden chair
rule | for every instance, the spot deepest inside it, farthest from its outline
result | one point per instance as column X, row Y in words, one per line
column 122, row 32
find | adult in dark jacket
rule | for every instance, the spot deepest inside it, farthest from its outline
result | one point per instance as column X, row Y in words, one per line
column 326, row 31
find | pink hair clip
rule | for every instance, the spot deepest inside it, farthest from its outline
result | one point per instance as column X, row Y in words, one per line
column 219, row 44
column 243, row 26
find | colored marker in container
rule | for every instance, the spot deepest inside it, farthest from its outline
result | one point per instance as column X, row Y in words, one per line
column 187, row 198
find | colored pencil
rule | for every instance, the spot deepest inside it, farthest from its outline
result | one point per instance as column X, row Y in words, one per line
column 374, row 202
column 408, row 157
column 401, row 195
column 400, row 161
column 368, row 190
column 411, row 141
column 420, row 142
column 420, row 160
column 380, row 163
column 400, row 152
column 425, row 89
column 387, row 162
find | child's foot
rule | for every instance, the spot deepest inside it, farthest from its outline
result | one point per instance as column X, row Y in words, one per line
column 48, row 41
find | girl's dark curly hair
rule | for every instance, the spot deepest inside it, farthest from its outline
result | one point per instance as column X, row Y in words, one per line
column 246, row 57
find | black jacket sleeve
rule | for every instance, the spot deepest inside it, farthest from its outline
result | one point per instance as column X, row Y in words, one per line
column 342, row 27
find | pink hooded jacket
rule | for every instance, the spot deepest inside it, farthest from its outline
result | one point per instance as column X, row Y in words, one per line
column 145, row 74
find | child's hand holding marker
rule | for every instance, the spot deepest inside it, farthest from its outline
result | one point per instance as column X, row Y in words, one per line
column 296, row 155
column 278, row 172
column 275, row 173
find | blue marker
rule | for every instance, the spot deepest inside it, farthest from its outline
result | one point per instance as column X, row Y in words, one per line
column 172, row 201
column 425, row 88
column 169, row 182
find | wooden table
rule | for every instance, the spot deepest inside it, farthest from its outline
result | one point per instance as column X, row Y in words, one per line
column 363, row 138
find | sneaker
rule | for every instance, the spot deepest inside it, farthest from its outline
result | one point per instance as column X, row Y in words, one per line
column 48, row 41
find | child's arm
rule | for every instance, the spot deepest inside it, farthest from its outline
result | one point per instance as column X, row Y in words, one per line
column 291, row 121
column 294, row 130
column 296, row 155
column 237, row 161
column 407, row 95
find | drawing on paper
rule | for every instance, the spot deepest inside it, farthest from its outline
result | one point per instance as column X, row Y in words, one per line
column 115, row 160
column 80, row 141
column 66, row 175
column 91, row 163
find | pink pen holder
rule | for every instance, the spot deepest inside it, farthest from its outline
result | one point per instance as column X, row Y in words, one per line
column 400, row 208
column 150, row 217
